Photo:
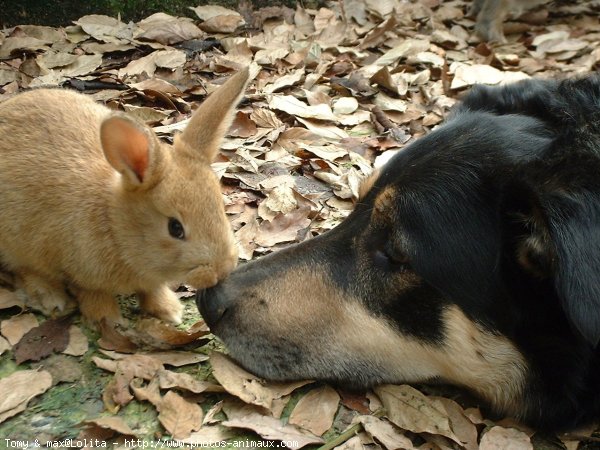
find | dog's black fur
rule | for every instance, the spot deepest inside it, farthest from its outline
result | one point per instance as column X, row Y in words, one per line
column 495, row 214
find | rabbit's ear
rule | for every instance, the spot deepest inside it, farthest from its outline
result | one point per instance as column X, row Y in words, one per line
column 210, row 122
column 129, row 148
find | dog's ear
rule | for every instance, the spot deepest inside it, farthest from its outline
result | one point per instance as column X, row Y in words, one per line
column 555, row 235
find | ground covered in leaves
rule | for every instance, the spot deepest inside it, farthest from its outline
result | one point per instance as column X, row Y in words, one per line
column 336, row 91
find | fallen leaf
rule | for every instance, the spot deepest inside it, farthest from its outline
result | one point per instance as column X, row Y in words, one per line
column 150, row 392
column 250, row 417
column 179, row 416
column 499, row 438
column 410, row 410
column 295, row 107
column 167, row 29
column 112, row 339
column 78, row 342
column 168, row 379
column 385, row 433
column 16, row 327
column 316, row 410
column 18, row 388
column 52, row 336
column 157, row 334
column 209, row 435
column 139, row 366
column 4, row 345
column 8, row 299
column 113, row 423
column 283, row 227
column 246, row 386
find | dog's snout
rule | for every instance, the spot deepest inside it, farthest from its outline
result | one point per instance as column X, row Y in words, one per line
column 213, row 303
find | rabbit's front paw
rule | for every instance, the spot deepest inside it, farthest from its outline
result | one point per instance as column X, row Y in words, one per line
column 48, row 297
column 163, row 304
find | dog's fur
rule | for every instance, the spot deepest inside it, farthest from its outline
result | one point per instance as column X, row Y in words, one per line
column 87, row 196
column 473, row 258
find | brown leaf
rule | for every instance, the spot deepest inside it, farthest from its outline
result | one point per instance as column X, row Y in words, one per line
column 246, row 386
column 112, row 339
column 460, row 424
column 160, row 335
column 316, row 410
column 4, row 345
column 250, row 417
column 242, row 126
column 168, row 30
column 283, row 227
column 222, row 24
column 411, row 410
column 211, row 434
column 169, row 358
column 78, row 342
column 8, row 299
column 52, row 336
column 179, row 416
column 385, row 433
column 498, row 438
column 150, row 392
column 168, row 379
column 18, row 388
column 113, row 423
column 140, row 366
column 15, row 328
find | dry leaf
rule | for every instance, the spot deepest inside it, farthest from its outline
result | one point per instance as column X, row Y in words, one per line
column 249, row 417
column 385, row 433
column 15, row 328
column 207, row 435
column 283, row 227
column 150, row 392
column 113, row 423
column 295, row 107
column 246, row 386
column 18, row 388
column 316, row 410
column 160, row 335
column 8, row 299
column 168, row 379
column 78, row 342
column 179, row 416
column 498, row 438
column 410, row 410
column 4, row 345
column 52, row 336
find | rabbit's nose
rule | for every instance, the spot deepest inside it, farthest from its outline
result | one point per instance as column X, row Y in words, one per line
column 214, row 304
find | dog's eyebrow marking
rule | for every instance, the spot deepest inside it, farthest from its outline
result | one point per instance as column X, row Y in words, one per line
column 368, row 183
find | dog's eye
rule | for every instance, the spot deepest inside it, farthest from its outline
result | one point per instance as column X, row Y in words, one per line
column 391, row 260
column 176, row 228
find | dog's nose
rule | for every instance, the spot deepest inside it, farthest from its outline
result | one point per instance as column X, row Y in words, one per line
column 213, row 304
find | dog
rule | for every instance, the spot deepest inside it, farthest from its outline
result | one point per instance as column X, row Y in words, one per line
column 471, row 258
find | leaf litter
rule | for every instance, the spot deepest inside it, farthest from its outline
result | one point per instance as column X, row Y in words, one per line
column 336, row 91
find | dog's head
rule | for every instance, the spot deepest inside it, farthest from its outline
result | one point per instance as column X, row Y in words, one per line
column 426, row 279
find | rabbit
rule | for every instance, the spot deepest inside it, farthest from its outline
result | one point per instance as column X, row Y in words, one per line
column 491, row 13
column 92, row 204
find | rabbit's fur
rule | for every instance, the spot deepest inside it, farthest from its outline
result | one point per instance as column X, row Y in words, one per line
column 87, row 196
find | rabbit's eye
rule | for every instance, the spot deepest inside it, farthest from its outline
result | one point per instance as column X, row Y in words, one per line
column 176, row 229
